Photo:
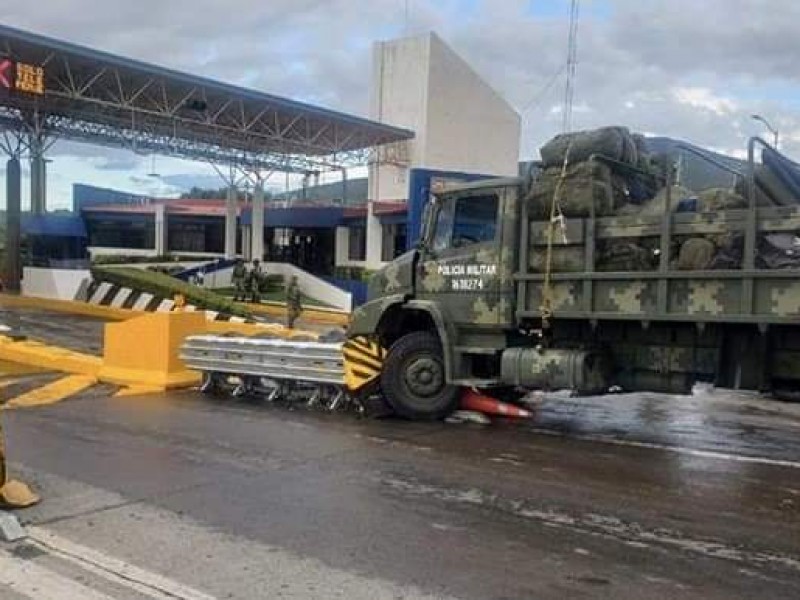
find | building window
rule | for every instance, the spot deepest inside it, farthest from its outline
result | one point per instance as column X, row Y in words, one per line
column 134, row 232
column 393, row 243
column 357, row 246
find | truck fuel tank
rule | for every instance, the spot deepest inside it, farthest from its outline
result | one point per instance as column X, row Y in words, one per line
column 585, row 371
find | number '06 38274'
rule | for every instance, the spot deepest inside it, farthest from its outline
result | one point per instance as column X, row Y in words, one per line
column 467, row 285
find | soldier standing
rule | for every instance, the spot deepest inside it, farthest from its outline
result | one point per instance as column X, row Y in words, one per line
column 239, row 280
column 255, row 282
column 293, row 305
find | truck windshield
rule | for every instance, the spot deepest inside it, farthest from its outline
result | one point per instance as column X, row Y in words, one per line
column 465, row 220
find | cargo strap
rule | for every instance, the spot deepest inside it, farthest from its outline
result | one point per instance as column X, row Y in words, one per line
column 556, row 216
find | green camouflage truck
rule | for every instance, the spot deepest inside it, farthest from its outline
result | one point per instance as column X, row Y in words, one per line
column 502, row 294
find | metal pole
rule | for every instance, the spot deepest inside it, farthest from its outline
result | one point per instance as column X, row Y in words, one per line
column 257, row 222
column 344, row 187
column 13, row 207
column 231, row 205
column 38, row 174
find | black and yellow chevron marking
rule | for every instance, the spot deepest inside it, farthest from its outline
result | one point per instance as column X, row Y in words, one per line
column 363, row 361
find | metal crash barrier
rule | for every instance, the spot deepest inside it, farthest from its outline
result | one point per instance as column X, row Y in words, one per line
column 274, row 368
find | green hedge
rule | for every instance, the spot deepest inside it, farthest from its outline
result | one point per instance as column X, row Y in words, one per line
column 353, row 273
column 120, row 259
column 165, row 286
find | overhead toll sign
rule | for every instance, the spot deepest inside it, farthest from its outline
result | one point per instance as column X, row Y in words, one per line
column 30, row 79
column 21, row 77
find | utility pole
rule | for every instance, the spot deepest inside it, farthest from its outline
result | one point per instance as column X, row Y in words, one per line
column 572, row 62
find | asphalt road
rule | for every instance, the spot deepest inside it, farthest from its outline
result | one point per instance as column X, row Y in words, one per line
column 75, row 332
column 640, row 496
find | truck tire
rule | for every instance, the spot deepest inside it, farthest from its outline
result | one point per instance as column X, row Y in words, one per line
column 414, row 379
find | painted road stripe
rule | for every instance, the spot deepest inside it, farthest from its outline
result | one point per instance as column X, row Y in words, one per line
column 29, row 579
column 113, row 569
column 712, row 454
column 52, row 392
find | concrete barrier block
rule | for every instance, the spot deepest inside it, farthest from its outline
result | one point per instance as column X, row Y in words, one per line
column 144, row 351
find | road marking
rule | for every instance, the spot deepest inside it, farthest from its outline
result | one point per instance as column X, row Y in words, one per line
column 34, row 581
column 113, row 569
column 52, row 392
column 744, row 458
column 628, row 532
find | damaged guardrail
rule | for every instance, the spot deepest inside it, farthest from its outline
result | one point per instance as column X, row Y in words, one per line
column 276, row 368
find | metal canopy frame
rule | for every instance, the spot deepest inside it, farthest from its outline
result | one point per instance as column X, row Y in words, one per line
column 96, row 97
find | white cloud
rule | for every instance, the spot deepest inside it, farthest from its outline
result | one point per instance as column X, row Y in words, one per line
column 662, row 66
column 704, row 98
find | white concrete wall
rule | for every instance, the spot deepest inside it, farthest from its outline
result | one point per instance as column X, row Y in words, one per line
column 400, row 88
column 60, row 284
column 469, row 126
column 312, row 286
column 95, row 251
column 102, row 251
column 460, row 122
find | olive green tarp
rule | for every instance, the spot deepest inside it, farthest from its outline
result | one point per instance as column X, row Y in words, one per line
column 583, row 186
column 615, row 143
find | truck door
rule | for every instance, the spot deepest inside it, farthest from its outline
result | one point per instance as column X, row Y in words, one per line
column 459, row 266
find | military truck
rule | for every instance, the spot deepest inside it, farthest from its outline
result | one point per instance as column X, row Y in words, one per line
column 505, row 295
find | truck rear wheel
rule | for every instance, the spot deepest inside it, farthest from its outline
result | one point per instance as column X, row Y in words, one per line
column 414, row 380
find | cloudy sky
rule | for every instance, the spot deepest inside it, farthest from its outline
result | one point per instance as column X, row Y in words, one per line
column 690, row 69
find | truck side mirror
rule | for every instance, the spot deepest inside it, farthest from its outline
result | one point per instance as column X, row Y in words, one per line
column 427, row 213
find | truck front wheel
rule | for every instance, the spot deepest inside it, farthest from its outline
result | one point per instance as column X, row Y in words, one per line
column 414, row 381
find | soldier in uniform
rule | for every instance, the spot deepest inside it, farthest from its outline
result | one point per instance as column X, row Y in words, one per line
column 293, row 305
column 254, row 282
column 239, row 281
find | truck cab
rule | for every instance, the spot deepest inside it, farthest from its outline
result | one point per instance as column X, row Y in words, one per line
column 444, row 309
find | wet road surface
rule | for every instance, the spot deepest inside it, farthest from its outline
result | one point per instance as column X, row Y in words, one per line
column 76, row 332
column 638, row 496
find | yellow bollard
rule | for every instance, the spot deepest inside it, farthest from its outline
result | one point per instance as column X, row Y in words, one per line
column 13, row 493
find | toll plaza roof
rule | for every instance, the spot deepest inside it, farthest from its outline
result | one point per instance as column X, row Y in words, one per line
column 83, row 94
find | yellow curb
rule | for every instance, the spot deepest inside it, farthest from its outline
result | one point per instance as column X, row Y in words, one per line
column 250, row 329
column 315, row 315
column 137, row 390
column 53, row 358
column 53, row 392
column 10, row 368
